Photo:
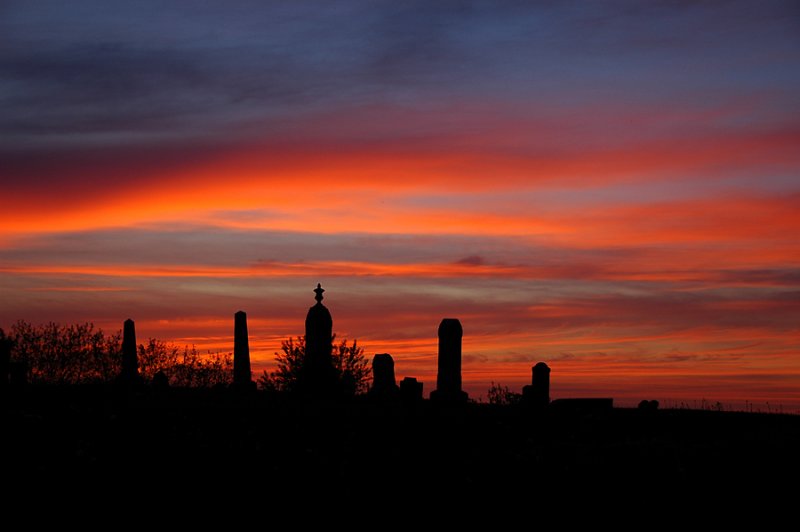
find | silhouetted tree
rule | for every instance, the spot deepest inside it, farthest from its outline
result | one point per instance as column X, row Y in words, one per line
column 66, row 354
column 290, row 364
column 266, row 382
column 352, row 368
column 79, row 354
column 502, row 395
column 184, row 367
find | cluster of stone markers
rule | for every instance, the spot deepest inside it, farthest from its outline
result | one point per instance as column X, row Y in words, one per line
column 319, row 376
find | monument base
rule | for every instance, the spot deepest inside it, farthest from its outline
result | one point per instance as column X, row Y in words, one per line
column 245, row 387
column 533, row 397
column 449, row 397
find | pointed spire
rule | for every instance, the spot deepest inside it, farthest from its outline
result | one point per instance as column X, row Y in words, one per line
column 319, row 291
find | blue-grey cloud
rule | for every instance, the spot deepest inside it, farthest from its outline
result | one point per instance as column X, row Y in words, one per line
column 127, row 70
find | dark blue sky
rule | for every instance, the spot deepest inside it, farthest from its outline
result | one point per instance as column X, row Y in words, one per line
column 88, row 74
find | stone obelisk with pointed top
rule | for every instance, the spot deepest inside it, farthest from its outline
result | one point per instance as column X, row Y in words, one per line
column 130, row 360
column 242, row 375
column 318, row 374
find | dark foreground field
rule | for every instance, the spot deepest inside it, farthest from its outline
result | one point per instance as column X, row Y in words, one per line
column 190, row 441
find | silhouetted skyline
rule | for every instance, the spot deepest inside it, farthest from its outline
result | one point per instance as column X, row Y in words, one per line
column 606, row 187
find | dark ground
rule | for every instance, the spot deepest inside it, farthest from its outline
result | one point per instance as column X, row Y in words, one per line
column 206, row 441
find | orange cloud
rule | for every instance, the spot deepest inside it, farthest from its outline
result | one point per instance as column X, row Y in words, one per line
column 666, row 293
column 664, row 267
column 313, row 180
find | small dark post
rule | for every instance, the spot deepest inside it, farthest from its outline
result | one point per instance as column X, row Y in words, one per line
column 5, row 358
column 130, row 361
column 384, row 384
column 448, row 378
column 242, row 375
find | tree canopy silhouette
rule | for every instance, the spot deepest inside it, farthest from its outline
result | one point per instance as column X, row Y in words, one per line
column 66, row 354
column 353, row 371
column 184, row 366
column 82, row 354
column 498, row 394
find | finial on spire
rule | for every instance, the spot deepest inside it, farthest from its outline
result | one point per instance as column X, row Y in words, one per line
column 319, row 291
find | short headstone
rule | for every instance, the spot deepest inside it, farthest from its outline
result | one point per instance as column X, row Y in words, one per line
column 384, row 385
column 411, row 390
column 537, row 394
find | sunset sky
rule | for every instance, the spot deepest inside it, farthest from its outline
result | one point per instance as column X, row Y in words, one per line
column 610, row 187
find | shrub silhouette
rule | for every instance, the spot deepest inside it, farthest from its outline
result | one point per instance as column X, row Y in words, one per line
column 81, row 354
column 66, row 354
column 502, row 395
column 184, row 366
column 353, row 370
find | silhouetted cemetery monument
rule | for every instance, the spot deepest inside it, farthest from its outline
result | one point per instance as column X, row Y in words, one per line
column 314, row 442
column 242, row 376
column 384, row 385
column 318, row 376
column 311, row 443
column 410, row 390
column 537, row 393
column 130, row 360
column 448, row 378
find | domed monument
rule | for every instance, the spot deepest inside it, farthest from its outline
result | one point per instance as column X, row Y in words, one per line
column 318, row 374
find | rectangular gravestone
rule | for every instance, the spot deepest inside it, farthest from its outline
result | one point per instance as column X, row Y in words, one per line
column 448, row 378
column 410, row 390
